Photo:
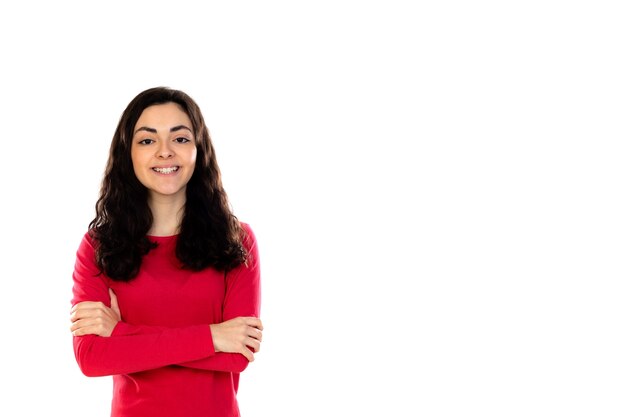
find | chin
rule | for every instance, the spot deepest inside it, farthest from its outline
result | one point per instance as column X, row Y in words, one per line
column 168, row 192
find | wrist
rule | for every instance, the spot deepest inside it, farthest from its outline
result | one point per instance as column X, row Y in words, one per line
column 213, row 328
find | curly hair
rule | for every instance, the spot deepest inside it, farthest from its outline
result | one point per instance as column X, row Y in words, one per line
column 210, row 234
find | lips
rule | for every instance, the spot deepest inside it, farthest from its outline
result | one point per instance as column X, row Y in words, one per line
column 165, row 170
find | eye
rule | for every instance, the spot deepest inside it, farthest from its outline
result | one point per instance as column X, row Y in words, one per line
column 146, row 141
column 181, row 139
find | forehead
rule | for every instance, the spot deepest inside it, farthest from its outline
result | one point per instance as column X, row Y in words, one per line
column 163, row 115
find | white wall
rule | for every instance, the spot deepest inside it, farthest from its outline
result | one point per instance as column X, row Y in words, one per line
column 437, row 189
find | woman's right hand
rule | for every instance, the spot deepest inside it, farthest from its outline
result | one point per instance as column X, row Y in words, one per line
column 90, row 317
column 239, row 335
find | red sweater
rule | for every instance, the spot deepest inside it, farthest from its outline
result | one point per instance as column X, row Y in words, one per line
column 161, row 354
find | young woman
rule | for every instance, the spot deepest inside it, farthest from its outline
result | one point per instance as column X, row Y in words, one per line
column 166, row 292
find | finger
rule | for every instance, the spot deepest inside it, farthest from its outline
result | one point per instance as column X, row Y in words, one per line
column 98, row 327
column 255, row 333
column 77, row 325
column 248, row 354
column 114, row 305
column 78, row 332
column 254, row 322
column 84, row 331
column 254, row 344
column 85, row 313
column 74, row 316
column 88, row 322
column 81, row 324
column 87, row 305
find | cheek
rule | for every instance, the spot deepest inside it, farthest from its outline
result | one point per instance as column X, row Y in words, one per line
column 139, row 161
column 192, row 158
column 134, row 157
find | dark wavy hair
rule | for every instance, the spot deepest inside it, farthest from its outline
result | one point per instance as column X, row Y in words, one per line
column 210, row 234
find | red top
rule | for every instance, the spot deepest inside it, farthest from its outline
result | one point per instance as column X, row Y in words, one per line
column 161, row 354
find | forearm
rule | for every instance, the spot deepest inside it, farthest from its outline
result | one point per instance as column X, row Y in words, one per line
column 219, row 361
column 139, row 348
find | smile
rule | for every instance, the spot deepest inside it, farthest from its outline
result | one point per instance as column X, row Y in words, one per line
column 168, row 170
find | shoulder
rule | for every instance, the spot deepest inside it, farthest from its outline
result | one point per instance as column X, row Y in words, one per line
column 249, row 239
column 246, row 228
column 87, row 243
column 86, row 265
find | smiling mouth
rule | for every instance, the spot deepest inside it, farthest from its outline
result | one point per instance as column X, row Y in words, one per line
column 165, row 170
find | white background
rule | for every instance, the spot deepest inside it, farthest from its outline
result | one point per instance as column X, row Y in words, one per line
column 437, row 189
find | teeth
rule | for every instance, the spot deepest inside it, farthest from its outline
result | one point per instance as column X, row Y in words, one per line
column 166, row 170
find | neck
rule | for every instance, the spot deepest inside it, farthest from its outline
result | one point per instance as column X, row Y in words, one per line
column 167, row 214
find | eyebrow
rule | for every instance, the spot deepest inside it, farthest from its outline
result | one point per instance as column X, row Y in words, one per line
column 153, row 130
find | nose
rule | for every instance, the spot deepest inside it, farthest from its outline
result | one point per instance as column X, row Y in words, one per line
column 164, row 150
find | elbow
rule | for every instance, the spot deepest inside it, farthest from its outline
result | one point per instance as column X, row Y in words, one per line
column 88, row 370
column 88, row 366
column 241, row 364
column 85, row 359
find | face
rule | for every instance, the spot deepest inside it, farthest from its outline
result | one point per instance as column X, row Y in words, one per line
column 163, row 150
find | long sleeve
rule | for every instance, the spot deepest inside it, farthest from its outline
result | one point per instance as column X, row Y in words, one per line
column 243, row 298
column 220, row 361
column 130, row 348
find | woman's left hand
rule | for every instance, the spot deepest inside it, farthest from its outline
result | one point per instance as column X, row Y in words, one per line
column 89, row 317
